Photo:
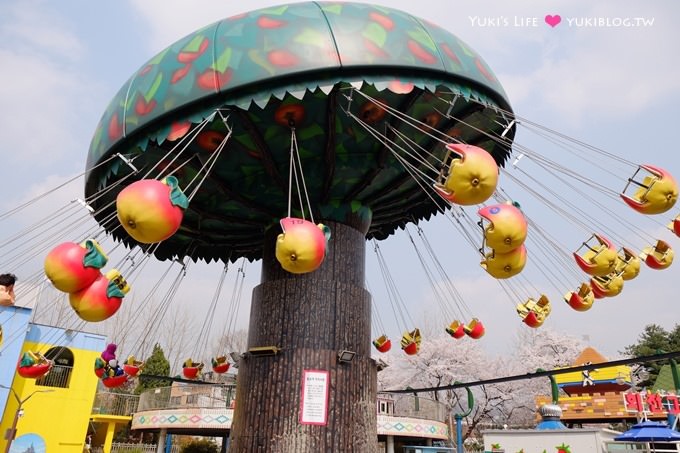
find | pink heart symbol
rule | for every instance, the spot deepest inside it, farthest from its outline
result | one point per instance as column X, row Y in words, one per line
column 553, row 20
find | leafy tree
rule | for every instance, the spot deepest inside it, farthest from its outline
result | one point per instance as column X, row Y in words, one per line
column 200, row 446
column 653, row 340
column 674, row 338
column 156, row 365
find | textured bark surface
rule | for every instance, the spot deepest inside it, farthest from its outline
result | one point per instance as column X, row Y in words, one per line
column 310, row 317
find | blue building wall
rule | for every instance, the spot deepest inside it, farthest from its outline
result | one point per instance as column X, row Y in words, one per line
column 14, row 322
column 72, row 339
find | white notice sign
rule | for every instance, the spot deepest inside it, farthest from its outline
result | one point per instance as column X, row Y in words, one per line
column 314, row 398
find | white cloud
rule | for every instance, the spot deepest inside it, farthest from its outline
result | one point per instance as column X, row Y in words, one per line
column 170, row 20
column 31, row 26
column 41, row 87
column 600, row 72
column 41, row 110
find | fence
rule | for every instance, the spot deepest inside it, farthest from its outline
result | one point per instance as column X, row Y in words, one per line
column 58, row 376
column 183, row 396
column 134, row 448
column 412, row 406
column 115, row 403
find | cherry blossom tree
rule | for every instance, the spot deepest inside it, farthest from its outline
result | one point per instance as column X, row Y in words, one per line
column 443, row 361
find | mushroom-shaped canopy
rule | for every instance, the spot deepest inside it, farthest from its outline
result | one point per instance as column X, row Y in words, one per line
column 328, row 69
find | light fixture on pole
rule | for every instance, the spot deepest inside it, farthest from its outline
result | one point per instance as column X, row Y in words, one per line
column 12, row 431
column 346, row 356
column 263, row 351
column 236, row 358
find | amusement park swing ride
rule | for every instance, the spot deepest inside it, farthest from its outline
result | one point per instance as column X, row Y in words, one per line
column 226, row 147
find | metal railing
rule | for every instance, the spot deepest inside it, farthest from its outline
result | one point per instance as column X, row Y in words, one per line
column 187, row 395
column 642, row 447
column 413, row 406
column 58, row 376
column 221, row 396
column 115, row 403
column 119, row 447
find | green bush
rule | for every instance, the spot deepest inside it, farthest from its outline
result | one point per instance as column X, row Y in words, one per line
column 200, row 446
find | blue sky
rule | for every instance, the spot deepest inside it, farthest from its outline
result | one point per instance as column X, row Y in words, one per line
column 611, row 86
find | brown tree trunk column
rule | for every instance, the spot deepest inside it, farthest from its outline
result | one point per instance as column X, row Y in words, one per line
column 310, row 317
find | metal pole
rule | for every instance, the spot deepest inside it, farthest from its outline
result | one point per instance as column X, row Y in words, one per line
column 17, row 414
column 459, row 433
column 674, row 372
column 13, row 429
column 459, row 421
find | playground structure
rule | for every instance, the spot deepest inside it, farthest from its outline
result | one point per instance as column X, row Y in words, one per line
column 609, row 395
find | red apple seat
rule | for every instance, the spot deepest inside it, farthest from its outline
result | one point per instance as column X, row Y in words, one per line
column 151, row 211
column 132, row 366
column 674, row 226
column 190, row 372
column 599, row 259
column 72, row 267
column 99, row 367
column 191, row 369
column 505, row 265
column 607, row 286
column 505, row 229
column 469, row 175
column 33, row 365
column 456, row 329
column 301, row 248
column 221, row 368
column 131, row 370
column 659, row 256
column 533, row 312
column 101, row 299
column 582, row 299
column 382, row 343
column 655, row 194
column 114, row 381
column 533, row 319
column 410, row 342
column 220, row 364
column 474, row 329
column 34, row 371
column 627, row 264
